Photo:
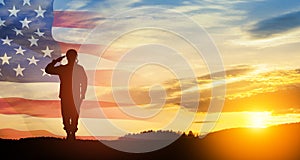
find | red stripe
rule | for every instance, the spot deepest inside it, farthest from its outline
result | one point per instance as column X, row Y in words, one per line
column 8, row 133
column 104, row 77
column 76, row 19
column 92, row 49
column 51, row 108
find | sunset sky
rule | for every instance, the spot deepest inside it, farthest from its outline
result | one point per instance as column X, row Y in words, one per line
column 257, row 41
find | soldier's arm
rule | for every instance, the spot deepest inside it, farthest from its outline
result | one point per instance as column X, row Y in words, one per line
column 51, row 69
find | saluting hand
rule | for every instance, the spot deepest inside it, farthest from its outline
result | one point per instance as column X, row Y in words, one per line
column 60, row 59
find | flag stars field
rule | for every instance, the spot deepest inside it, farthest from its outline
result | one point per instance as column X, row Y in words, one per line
column 26, row 41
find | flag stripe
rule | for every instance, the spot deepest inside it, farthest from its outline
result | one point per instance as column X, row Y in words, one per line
column 92, row 62
column 70, row 21
column 54, row 125
column 33, row 90
column 92, row 49
column 51, row 108
column 99, row 84
column 64, row 37
column 76, row 19
column 9, row 133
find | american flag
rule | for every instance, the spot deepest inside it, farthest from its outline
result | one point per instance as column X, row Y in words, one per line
column 27, row 45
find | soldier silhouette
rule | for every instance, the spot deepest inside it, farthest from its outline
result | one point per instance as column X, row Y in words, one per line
column 73, row 85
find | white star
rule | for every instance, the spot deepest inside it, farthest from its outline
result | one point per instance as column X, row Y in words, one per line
column 25, row 23
column 20, row 50
column 19, row 70
column 32, row 60
column 2, row 2
column 44, row 73
column 2, row 22
column 6, row 41
column 13, row 11
column 47, row 52
column 5, row 59
column 39, row 33
column 40, row 12
column 18, row 31
column 26, row 2
column 33, row 41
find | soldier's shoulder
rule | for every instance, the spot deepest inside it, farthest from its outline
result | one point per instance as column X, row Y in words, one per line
column 78, row 65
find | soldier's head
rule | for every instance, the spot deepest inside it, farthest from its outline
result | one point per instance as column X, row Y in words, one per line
column 71, row 56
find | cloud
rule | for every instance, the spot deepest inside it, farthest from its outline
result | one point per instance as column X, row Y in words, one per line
column 71, row 4
column 265, row 24
column 189, row 88
column 248, row 88
column 204, row 121
column 260, row 82
column 275, row 25
column 233, row 71
column 265, row 9
column 157, row 2
column 77, row 4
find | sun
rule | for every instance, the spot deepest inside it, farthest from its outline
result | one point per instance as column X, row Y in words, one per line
column 259, row 119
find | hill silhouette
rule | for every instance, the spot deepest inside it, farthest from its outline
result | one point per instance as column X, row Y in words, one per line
column 277, row 143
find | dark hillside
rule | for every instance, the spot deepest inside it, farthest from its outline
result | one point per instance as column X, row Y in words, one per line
column 279, row 142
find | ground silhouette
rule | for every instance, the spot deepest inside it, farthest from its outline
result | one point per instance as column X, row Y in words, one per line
column 275, row 143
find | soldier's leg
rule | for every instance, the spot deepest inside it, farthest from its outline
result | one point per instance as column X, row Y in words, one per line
column 74, row 117
column 66, row 116
column 74, row 122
